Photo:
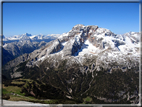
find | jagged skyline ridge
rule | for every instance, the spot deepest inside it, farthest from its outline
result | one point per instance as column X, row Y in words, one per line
column 92, row 40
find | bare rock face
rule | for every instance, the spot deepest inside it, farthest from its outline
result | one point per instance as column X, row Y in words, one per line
column 13, row 49
column 67, row 50
column 71, row 48
column 55, row 47
column 95, row 41
column 16, row 61
column 78, row 27
column 91, row 29
column 8, row 56
column 16, row 49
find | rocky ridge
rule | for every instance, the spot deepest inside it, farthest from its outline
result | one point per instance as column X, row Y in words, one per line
column 15, row 49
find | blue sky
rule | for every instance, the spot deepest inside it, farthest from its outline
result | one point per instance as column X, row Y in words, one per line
column 57, row 18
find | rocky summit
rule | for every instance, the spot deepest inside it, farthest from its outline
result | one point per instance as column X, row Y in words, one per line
column 87, row 61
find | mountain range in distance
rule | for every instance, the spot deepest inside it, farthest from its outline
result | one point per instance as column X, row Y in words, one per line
column 19, row 44
column 27, row 36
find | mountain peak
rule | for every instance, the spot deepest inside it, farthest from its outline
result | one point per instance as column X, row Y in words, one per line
column 79, row 25
column 27, row 34
column 93, row 40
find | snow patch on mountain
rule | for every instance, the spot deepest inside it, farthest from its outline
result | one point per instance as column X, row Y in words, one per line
column 41, row 59
column 5, row 45
column 88, row 48
column 63, row 35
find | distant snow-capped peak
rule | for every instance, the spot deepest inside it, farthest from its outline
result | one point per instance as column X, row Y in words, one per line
column 32, row 37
